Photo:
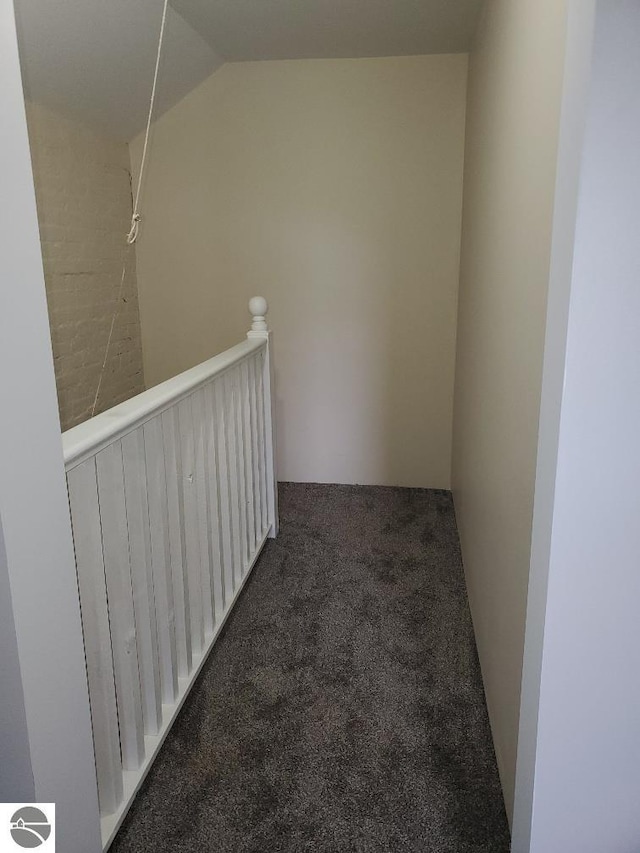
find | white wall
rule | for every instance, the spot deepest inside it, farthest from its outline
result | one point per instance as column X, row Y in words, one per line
column 34, row 511
column 513, row 106
column 83, row 193
column 577, row 73
column 16, row 775
column 587, row 755
column 333, row 188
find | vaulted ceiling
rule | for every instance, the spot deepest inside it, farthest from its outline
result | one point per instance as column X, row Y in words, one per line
column 94, row 58
column 304, row 29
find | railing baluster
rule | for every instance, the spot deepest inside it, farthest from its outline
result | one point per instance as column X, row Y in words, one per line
column 204, row 517
column 255, row 471
column 240, row 464
column 87, row 540
column 262, row 443
column 234, row 488
column 160, row 557
column 212, row 480
column 188, row 486
column 113, row 515
column 247, row 444
column 220, row 418
column 135, row 486
column 177, row 545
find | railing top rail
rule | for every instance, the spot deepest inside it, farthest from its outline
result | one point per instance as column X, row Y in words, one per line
column 86, row 439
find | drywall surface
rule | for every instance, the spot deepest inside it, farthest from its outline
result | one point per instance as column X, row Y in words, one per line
column 587, row 779
column 34, row 508
column 577, row 74
column 333, row 188
column 16, row 776
column 83, row 194
column 513, row 106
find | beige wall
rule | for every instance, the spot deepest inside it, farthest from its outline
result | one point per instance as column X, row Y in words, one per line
column 83, row 194
column 515, row 81
column 333, row 188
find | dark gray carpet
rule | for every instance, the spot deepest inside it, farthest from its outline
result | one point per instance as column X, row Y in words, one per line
column 342, row 708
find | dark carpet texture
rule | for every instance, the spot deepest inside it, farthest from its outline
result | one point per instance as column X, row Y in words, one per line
column 342, row 707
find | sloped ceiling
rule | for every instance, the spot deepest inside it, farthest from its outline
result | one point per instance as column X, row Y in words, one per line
column 94, row 59
column 306, row 29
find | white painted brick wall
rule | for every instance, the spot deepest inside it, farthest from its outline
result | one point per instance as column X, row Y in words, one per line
column 83, row 194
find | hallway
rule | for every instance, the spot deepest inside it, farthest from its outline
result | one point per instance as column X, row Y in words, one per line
column 342, row 707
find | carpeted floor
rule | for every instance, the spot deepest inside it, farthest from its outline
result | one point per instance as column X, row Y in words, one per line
column 342, row 708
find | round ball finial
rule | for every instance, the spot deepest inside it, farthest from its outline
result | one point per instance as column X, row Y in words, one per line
column 258, row 308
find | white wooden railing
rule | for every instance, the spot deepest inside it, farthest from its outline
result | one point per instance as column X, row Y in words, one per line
column 172, row 496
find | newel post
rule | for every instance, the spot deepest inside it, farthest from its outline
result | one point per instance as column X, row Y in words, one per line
column 258, row 308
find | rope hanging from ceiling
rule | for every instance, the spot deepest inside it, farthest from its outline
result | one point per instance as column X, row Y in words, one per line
column 132, row 236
